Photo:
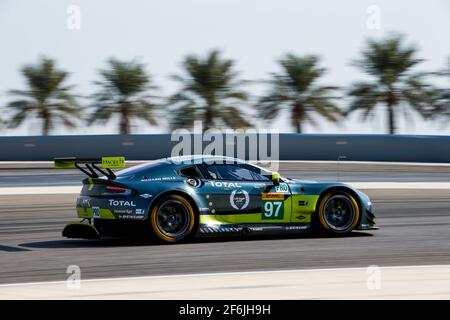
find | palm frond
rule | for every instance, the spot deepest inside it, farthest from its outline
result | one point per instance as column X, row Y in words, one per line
column 208, row 83
column 295, row 88
column 123, row 90
column 47, row 95
column 364, row 96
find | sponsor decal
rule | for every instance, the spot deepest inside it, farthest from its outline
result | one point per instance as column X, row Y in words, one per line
column 113, row 162
column 282, row 187
column 239, row 199
column 140, row 211
column 272, row 196
column 193, row 182
column 223, row 184
column 96, row 212
column 126, row 211
column 297, row 227
column 158, row 179
column 130, row 216
column 303, row 203
column 145, row 195
column 84, row 202
column 121, row 203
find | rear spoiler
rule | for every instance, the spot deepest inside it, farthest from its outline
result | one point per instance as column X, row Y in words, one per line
column 91, row 167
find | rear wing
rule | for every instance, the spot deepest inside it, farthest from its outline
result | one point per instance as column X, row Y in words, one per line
column 92, row 167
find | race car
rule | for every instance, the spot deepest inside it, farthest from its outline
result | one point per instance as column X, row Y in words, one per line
column 175, row 199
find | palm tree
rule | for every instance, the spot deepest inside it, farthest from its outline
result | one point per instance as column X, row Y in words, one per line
column 295, row 88
column 47, row 98
column 209, row 92
column 389, row 62
column 124, row 92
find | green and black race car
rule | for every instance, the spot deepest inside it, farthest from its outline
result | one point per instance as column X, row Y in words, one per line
column 178, row 198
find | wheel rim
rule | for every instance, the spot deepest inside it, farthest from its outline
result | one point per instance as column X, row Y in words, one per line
column 172, row 218
column 339, row 212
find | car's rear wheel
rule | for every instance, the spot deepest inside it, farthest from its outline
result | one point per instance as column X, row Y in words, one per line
column 172, row 219
column 338, row 213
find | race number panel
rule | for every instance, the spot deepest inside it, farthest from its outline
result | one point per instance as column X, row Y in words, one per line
column 272, row 206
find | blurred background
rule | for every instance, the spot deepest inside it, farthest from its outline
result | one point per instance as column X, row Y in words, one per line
column 103, row 67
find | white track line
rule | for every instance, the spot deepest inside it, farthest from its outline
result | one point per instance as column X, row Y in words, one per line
column 400, row 185
column 401, row 282
column 358, row 185
column 252, row 272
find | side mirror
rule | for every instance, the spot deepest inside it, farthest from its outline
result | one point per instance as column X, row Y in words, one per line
column 275, row 178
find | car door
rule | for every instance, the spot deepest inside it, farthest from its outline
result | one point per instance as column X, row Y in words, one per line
column 238, row 193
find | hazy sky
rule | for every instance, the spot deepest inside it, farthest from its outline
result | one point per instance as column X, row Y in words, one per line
column 254, row 32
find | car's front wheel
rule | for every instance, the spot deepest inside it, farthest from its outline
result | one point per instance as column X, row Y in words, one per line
column 172, row 219
column 338, row 213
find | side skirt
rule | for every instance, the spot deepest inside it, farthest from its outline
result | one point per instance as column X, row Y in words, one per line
column 252, row 229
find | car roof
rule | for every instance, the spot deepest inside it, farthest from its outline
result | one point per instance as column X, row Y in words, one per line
column 196, row 159
column 181, row 161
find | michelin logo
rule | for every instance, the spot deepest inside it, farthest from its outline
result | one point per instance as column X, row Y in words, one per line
column 96, row 212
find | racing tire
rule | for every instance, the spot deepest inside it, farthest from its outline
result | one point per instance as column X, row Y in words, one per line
column 338, row 213
column 172, row 219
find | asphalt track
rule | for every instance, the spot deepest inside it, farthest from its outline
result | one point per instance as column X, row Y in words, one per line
column 414, row 230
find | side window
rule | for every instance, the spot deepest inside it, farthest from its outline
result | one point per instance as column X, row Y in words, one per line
column 258, row 174
column 190, row 172
column 239, row 172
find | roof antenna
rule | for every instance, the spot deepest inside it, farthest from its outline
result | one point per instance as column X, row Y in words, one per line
column 339, row 159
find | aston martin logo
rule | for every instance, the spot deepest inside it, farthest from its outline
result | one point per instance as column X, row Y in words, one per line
column 239, row 199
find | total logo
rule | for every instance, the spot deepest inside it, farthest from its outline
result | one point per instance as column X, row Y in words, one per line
column 122, row 203
column 220, row 184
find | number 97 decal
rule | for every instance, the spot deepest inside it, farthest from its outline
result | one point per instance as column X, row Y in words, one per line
column 273, row 210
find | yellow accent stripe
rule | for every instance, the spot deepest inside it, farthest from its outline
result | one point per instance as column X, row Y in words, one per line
column 230, row 218
column 304, row 203
column 91, row 184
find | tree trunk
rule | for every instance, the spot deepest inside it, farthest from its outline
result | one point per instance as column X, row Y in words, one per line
column 391, row 119
column 297, row 117
column 298, row 126
column 46, row 121
column 391, row 101
column 208, row 118
column 124, row 124
column 124, row 120
column 46, row 126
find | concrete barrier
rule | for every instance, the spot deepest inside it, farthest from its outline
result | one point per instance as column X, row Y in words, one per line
column 396, row 148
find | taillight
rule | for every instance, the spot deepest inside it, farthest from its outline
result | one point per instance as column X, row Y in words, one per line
column 114, row 188
column 105, row 190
